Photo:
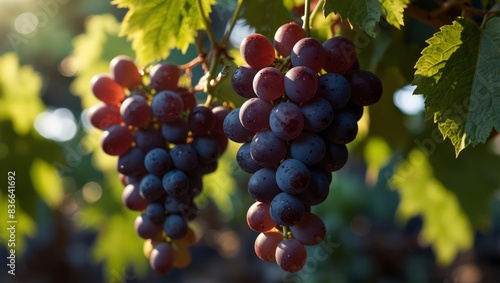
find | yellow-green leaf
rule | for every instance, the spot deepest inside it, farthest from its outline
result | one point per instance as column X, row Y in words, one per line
column 46, row 182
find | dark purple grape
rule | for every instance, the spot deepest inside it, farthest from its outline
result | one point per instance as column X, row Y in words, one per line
column 155, row 212
column 184, row 157
column 254, row 114
column 161, row 258
column 201, row 120
column 286, row 121
column 308, row 148
column 366, row 87
column 335, row 88
column 292, row 176
column 268, row 83
column 207, row 148
column 300, row 84
column 245, row 160
column 340, row 55
column 310, row 230
column 145, row 228
column 335, row 157
column 286, row 209
column 164, row 76
column 310, row 53
column 157, row 161
column 135, row 111
column 318, row 189
column 167, row 106
column 175, row 226
column 116, row 140
column 132, row 199
column 242, row 81
column 267, row 149
column 151, row 188
column 343, row 129
column 175, row 131
column 220, row 113
column 257, row 51
column 318, row 114
column 286, row 36
column 176, row 183
column 262, row 185
column 149, row 138
column 355, row 109
column 131, row 163
column 234, row 130
column 177, row 204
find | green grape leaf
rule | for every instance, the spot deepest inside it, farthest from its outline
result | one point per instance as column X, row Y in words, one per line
column 266, row 16
column 19, row 93
column 393, row 10
column 363, row 13
column 445, row 225
column 458, row 76
column 157, row 26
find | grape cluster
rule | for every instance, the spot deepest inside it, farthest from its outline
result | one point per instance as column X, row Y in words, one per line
column 302, row 109
column 165, row 143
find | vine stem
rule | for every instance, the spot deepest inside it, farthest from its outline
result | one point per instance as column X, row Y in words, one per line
column 234, row 18
column 307, row 14
column 316, row 10
column 286, row 230
column 206, row 22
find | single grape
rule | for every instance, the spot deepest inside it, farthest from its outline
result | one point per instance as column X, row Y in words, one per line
column 103, row 115
column 301, row 84
column 355, row 109
column 340, row 55
column 107, row 90
column 131, row 163
column 175, row 131
column 310, row 230
column 201, row 120
column 157, row 161
column 335, row 157
column 167, row 106
column 135, row 111
column 177, row 204
column 366, row 87
column 262, row 185
column 286, row 121
column 234, row 130
column 257, row 51
column 292, row 176
column 286, row 209
column 254, row 114
column 145, row 228
column 318, row 189
column 125, row 72
column 268, row 83
column 175, row 226
column 188, row 98
column 151, row 188
column 266, row 243
column 207, row 148
column 155, row 212
column 220, row 113
column 343, row 129
column 286, row 36
column 335, row 88
column 132, row 199
column 258, row 217
column 242, row 81
column 267, row 149
column 175, row 182
column 291, row 255
column 245, row 160
column 149, row 138
column 310, row 53
column 116, row 140
column 308, row 148
column 161, row 258
column 318, row 114
column 184, row 157
column 164, row 76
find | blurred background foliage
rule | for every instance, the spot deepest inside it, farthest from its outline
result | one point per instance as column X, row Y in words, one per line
column 404, row 209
